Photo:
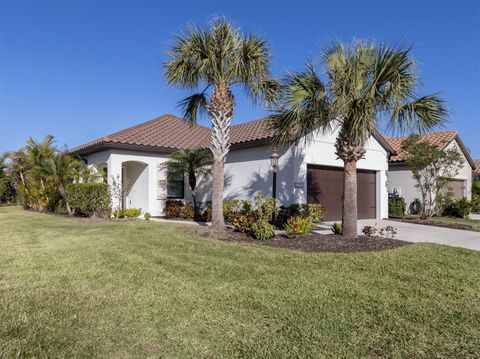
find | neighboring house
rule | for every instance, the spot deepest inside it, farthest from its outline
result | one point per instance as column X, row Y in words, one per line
column 476, row 171
column 309, row 170
column 400, row 178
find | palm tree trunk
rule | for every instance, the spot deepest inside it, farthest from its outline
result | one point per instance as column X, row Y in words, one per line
column 23, row 182
column 217, row 195
column 192, row 182
column 220, row 110
column 350, row 199
column 62, row 191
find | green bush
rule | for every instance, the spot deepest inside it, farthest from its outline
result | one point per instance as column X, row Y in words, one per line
column 262, row 230
column 128, row 212
column 475, row 202
column 315, row 211
column 132, row 212
column 232, row 208
column 337, row 228
column 297, row 226
column 396, row 206
column 263, row 207
column 459, row 208
column 147, row 216
column 89, row 199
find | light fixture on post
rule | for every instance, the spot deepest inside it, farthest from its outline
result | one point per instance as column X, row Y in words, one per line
column 274, row 163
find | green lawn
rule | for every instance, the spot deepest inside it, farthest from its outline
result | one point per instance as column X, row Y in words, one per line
column 74, row 288
column 471, row 222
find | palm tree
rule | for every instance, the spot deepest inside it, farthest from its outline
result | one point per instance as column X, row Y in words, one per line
column 62, row 169
column 192, row 163
column 38, row 153
column 363, row 85
column 213, row 60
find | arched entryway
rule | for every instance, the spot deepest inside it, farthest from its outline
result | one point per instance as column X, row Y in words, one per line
column 135, row 185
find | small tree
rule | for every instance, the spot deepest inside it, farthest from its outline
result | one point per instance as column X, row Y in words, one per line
column 191, row 163
column 432, row 169
column 118, row 189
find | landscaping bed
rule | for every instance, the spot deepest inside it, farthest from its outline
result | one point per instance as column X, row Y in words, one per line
column 313, row 242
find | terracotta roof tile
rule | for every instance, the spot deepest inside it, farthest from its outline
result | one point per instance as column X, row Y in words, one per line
column 164, row 132
column 169, row 132
column 439, row 139
column 250, row 131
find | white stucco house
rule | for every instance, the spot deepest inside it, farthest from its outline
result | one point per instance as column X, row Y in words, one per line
column 308, row 170
column 400, row 178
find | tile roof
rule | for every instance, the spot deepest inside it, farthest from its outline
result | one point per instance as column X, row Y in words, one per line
column 250, row 131
column 477, row 166
column 440, row 139
column 169, row 132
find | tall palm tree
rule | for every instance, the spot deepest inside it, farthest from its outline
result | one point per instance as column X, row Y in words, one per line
column 192, row 163
column 363, row 85
column 213, row 60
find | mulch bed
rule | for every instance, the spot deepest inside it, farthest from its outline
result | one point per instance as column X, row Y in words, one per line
column 427, row 222
column 311, row 243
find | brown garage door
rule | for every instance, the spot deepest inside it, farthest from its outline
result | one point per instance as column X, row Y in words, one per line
column 325, row 186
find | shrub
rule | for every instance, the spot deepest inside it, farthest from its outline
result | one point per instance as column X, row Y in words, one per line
column 173, row 208
column 396, row 206
column 132, row 212
column 262, row 230
column 188, row 211
column 475, row 202
column 147, row 216
column 231, row 209
column 387, row 232
column 207, row 213
column 337, row 228
column 297, row 226
column 263, row 207
column 369, row 231
column 459, row 208
column 89, row 199
column 243, row 223
column 128, row 212
column 316, row 212
column 178, row 209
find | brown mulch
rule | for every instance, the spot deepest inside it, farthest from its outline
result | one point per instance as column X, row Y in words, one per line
column 311, row 243
column 427, row 222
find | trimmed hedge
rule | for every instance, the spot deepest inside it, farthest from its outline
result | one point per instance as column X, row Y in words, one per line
column 89, row 199
column 396, row 206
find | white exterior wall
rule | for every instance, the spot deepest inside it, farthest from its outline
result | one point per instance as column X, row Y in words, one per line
column 320, row 150
column 400, row 179
column 151, row 186
column 247, row 171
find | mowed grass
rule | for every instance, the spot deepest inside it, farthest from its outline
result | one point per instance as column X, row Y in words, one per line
column 74, row 288
column 475, row 223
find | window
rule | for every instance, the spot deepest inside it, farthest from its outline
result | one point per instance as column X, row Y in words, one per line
column 175, row 185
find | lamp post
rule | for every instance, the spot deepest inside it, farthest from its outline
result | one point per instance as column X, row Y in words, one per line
column 274, row 163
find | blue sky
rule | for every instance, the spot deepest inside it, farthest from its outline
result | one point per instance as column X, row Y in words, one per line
column 83, row 69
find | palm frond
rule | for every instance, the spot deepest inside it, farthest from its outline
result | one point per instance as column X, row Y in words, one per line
column 420, row 115
column 192, row 106
column 304, row 108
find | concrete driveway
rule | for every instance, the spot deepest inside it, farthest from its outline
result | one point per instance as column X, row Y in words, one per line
column 420, row 233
